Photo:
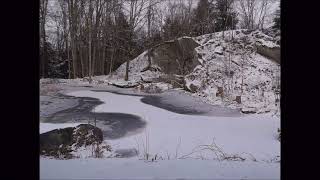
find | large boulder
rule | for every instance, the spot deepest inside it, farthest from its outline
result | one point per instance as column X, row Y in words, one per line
column 270, row 52
column 175, row 57
column 60, row 143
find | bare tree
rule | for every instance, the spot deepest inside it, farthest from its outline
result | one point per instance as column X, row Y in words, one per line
column 150, row 18
column 263, row 12
column 149, row 15
column 43, row 14
column 90, row 38
column 247, row 9
column 135, row 10
column 73, row 20
column 136, row 16
column 254, row 12
column 65, row 32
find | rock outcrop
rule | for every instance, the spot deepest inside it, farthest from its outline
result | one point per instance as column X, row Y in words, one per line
column 271, row 52
column 175, row 57
column 61, row 143
column 240, row 62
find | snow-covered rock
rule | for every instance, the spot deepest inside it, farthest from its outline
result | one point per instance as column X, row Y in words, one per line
column 243, row 63
column 234, row 64
column 171, row 57
column 70, row 141
column 238, row 61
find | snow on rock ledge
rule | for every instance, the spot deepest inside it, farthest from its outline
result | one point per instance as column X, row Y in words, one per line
column 229, row 60
column 219, row 69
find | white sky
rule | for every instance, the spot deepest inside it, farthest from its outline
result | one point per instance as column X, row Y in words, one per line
column 53, row 7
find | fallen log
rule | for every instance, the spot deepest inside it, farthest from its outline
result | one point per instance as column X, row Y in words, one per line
column 125, row 85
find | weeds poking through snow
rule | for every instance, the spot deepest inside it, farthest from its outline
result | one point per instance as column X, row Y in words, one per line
column 219, row 153
column 196, row 153
column 145, row 145
column 178, row 146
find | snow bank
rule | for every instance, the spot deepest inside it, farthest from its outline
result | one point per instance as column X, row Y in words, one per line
column 230, row 60
column 170, row 169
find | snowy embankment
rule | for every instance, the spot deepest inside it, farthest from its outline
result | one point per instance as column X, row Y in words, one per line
column 169, row 169
column 229, row 62
column 244, row 146
column 233, row 64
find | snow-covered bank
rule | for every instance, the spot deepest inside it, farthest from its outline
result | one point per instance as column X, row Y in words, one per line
column 230, row 64
column 169, row 169
column 167, row 131
column 177, row 141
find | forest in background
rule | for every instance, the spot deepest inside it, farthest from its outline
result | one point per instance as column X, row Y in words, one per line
column 94, row 37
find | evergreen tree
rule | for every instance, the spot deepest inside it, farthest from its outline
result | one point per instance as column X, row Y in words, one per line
column 177, row 23
column 203, row 18
column 172, row 28
column 226, row 17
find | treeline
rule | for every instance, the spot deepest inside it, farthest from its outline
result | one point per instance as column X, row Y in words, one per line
column 94, row 37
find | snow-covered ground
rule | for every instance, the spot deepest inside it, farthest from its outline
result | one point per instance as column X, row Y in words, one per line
column 182, row 144
column 168, row 169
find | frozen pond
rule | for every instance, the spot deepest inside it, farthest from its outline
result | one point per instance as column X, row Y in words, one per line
column 180, row 103
column 70, row 109
column 171, row 126
column 79, row 110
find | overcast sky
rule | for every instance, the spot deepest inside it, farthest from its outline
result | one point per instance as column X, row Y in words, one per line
column 53, row 8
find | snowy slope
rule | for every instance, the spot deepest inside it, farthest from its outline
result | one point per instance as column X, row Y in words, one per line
column 224, row 62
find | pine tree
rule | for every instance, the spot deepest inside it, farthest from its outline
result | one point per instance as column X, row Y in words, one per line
column 226, row 17
column 201, row 18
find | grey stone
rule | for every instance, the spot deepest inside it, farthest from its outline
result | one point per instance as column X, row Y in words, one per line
column 273, row 53
column 176, row 56
column 59, row 142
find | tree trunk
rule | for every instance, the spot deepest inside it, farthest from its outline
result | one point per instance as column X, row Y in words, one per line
column 69, row 61
column 93, row 60
column 111, row 62
column 149, row 35
column 45, row 53
column 83, row 73
column 103, row 60
column 89, row 55
column 90, row 40
column 74, row 58
column 72, row 21
column 43, row 14
column 126, row 77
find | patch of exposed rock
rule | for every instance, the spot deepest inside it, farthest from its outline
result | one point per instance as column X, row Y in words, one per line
column 64, row 143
